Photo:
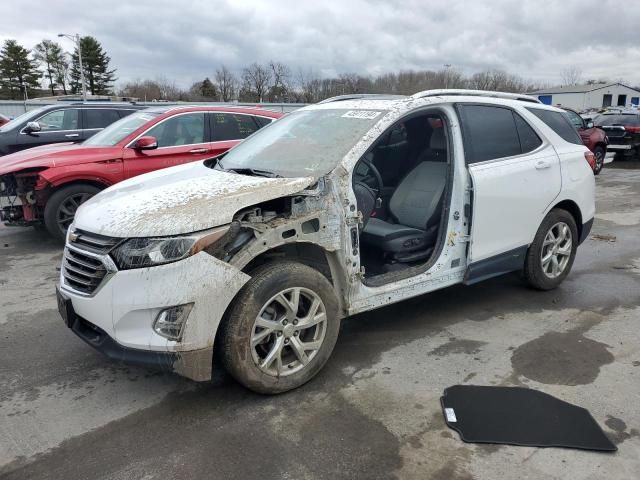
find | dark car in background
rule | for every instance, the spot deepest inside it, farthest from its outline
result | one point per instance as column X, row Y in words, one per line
column 595, row 139
column 623, row 131
column 73, row 122
column 4, row 119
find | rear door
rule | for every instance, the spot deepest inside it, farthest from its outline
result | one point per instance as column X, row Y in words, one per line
column 95, row 119
column 229, row 129
column 181, row 138
column 64, row 125
column 515, row 175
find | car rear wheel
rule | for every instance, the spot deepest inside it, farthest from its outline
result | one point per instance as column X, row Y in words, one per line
column 281, row 328
column 599, row 153
column 61, row 207
column 552, row 252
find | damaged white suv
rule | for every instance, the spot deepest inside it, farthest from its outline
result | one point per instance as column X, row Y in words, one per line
column 252, row 259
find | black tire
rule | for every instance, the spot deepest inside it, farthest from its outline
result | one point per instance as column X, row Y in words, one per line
column 537, row 276
column 239, row 324
column 56, row 218
column 599, row 153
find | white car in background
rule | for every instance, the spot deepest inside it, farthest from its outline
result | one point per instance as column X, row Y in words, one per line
column 254, row 257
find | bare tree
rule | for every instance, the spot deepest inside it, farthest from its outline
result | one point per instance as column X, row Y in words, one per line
column 309, row 86
column 571, row 76
column 226, row 83
column 280, row 80
column 256, row 80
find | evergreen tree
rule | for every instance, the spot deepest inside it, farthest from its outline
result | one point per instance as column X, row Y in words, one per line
column 51, row 57
column 17, row 70
column 208, row 89
column 98, row 77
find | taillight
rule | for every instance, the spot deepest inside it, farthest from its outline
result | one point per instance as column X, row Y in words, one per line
column 591, row 159
column 632, row 129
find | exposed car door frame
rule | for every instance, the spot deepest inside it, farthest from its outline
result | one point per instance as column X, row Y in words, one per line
column 447, row 264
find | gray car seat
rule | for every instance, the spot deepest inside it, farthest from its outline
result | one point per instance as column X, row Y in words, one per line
column 415, row 207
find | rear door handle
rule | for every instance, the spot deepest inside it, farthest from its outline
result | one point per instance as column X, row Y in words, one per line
column 199, row 150
column 72, row 135
column 541, row 165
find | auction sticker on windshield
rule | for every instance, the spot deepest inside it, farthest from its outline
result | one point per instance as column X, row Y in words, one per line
column 365, row 114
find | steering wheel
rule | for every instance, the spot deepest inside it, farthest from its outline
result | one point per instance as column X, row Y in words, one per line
column 372, row 174
column 366, row 195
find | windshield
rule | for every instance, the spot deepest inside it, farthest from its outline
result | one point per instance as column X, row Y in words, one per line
column 304, row 143
column 19, row 120
column 622, row 119
column 119, row 130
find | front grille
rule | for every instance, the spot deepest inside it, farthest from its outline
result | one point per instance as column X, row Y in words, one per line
column 82, row 272
column 94, row 242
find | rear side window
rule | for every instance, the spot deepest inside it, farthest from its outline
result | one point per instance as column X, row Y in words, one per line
column 262, row 121
column 495, row 132
column 557, row 122
column 99, row 118
column 229, row 126
column 529, row 140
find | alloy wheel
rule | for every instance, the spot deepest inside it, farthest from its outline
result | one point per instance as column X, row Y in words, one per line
column 288, row 332
column 556, row 250
column 67, row 210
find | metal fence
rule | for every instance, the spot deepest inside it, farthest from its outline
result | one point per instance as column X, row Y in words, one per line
column 13, row 108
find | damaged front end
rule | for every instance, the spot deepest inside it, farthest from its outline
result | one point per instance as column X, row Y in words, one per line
column 22, row 198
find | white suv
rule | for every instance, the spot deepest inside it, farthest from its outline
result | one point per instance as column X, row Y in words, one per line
column 335, row 209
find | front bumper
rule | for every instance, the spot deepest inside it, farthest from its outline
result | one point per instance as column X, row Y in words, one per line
column 117, row 318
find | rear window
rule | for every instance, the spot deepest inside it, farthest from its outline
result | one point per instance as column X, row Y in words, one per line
column 229, row 126
column 495, row 132
column 628, row 119
column 559, row 123
column 99, row 118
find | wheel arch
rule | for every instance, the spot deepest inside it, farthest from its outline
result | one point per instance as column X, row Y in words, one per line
column 573, row 208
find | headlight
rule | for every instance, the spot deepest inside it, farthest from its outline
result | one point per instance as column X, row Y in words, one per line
column 148, row 252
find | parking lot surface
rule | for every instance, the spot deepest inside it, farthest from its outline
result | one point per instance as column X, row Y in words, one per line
column 373, row 412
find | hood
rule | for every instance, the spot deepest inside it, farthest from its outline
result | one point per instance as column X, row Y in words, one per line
column 178, row 200
column 56, row 155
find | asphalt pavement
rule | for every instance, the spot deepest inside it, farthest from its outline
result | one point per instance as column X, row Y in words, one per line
column 66, row 412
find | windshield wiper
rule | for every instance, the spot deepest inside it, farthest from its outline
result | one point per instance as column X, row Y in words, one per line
column 253, row 171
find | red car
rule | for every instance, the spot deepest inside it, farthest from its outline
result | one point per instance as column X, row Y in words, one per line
column 595, row 139
column 3, row 119
column 46, row 185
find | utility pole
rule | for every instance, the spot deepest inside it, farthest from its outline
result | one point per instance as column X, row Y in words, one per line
column 76, row 38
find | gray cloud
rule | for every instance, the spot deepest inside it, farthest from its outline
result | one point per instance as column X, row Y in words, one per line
column 185, row 41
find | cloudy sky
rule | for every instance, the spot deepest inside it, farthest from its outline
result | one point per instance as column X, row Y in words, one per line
column 186, row 40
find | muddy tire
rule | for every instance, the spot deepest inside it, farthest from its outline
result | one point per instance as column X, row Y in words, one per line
column 599, row 153
column 550, row 257
column 281, row 328
column 61, row 207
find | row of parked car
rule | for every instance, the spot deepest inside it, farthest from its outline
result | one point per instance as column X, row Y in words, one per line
column 247, row 258
column 44, row 177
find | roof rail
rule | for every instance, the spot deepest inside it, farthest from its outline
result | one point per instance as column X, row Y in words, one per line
column 358, row 96
column 475, row 93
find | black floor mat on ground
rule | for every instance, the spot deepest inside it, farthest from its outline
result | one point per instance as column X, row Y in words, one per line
column 520, row 416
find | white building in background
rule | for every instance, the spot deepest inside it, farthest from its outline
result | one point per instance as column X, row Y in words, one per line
column 584, row 97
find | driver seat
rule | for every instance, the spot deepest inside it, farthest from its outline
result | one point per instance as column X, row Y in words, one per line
column 416, row 207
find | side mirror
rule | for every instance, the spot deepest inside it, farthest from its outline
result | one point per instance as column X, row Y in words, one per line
column 589, row 123
column 146, row 143
column 32, row 127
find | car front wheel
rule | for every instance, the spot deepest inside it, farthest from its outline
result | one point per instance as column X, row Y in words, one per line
column 552, row 252
column 281, row 328
column 61, row 207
